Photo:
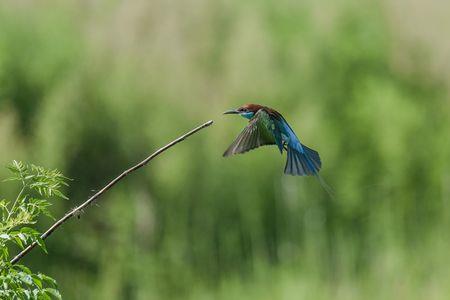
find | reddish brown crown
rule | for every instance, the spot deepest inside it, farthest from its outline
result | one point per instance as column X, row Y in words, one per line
column 255, row 107
column 252, row 107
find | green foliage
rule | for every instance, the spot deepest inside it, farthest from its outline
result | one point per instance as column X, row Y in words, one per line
column 37, row 186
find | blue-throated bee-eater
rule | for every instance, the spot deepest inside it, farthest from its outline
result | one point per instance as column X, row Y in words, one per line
column 268, row 127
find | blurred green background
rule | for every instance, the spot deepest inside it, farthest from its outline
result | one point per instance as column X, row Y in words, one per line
column 90, row 87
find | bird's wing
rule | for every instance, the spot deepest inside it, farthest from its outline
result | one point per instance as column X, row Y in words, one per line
column 257, row 133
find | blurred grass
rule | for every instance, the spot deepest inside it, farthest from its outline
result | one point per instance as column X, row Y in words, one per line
column 91, row 86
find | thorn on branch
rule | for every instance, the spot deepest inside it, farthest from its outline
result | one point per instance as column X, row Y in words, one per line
column 77, row 212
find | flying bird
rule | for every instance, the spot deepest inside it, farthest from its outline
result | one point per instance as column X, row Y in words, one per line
column 268, row 127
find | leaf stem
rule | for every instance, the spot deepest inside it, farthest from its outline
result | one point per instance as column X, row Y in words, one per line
column 11, row 211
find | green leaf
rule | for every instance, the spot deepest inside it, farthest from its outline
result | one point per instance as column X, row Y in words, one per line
column 47, row 279
column 41, row 244
column 23, row 237
column 53, row 292
column 25, row 278
column 5, row 236
column 59, row 194
column 44, row 296
column 23, row 268
column 37, row 281
column 28, row 230
column 11, row 179
column 5, row 253
column 18, row 242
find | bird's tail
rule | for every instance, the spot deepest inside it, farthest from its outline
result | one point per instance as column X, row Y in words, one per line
column 302, row 163
column 306, row 163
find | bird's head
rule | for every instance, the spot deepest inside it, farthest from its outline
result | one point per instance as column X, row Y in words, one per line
column 247, row 111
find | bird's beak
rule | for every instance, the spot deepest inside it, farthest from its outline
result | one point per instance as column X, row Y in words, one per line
column 231, row 112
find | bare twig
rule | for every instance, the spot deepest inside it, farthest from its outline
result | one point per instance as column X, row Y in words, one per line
column 75, row 211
